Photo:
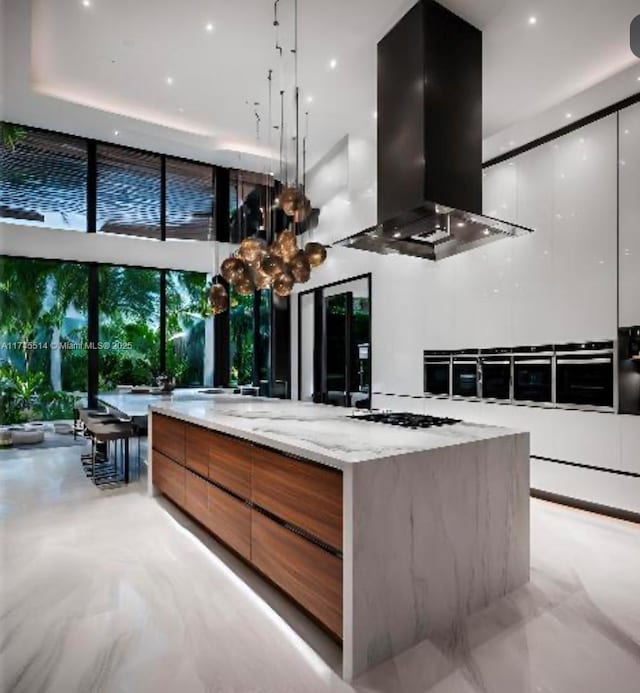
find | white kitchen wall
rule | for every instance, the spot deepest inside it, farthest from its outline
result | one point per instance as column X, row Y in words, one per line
column 556, row 285
column 630, row 216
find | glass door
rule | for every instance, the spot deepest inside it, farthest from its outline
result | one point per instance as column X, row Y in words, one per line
column 337, row 349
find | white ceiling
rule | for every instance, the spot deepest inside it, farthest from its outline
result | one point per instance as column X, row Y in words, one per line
column 102, row 68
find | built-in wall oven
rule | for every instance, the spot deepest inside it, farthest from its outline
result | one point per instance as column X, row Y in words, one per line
column 464, row 376
column 533, row 375
column 437, row 373
column 584, row 375
column 495, row 374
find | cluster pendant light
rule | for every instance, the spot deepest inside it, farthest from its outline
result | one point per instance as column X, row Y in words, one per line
column 281, row 263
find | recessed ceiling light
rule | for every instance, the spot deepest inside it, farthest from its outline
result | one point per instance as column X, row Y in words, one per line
column 116, row 132
column 638, row 79
column 533, row 20
column 568, row 116
column 209, row 27
column 169, row 81
column 460, row 224
column 486, row 232
column 333, row 63
column 309, row 99
column 86, row 3
column 375, row 115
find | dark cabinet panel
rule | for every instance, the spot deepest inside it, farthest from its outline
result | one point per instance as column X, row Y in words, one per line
column 302, row 494
column 169, row 436
column 310, row 575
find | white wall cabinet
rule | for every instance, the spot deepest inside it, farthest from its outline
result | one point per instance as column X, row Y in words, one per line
column 630, row 216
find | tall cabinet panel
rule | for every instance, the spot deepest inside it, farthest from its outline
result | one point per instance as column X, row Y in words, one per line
column 532, row 255
column 585, row 220
column 630, row 216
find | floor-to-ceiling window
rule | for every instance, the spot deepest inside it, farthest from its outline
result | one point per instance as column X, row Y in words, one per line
column 189, row 329
column 129, row 319
column 43, row 328
column 241, row 338
column 190, row 201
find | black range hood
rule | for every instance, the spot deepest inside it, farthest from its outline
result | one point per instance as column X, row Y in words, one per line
column 430, row 140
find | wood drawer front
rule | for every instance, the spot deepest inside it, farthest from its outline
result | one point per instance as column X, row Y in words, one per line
column 196, row 497
column 299, row 493
column 197, row 444
column 230, row 520
column 230, row 463
column 303, row 570
column 169, row 477
column 168, row 437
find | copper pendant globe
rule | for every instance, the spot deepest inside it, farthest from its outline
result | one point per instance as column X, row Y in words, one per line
column 283, row 284
column 251, row 250
column 272, row 264
column 290, row 200
column 244, row 287
column 233, row 270
column 286, row 245
column 316, row 253
column 260, row 278
column 300, row 267
column 218, row 299
column 302, row 212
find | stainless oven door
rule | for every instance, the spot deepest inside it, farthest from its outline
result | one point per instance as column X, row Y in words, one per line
column 585, row 381
column 533, row 380
column 465, row 378
column 495, row 381
column 437, row 377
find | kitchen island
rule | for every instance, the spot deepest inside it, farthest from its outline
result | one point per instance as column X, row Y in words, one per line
column 384, row 535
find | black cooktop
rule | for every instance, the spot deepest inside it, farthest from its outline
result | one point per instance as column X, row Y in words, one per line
column 406, row 420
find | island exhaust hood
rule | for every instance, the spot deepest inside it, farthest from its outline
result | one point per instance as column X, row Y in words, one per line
column 430, row 140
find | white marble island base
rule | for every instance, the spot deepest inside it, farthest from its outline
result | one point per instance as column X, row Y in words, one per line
column 433, row 539
column 435, row 522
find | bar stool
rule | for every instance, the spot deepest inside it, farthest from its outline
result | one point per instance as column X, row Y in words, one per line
column 105, row 470
column 84, row 416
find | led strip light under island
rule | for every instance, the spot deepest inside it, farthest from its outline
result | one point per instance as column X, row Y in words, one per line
column 385, row 535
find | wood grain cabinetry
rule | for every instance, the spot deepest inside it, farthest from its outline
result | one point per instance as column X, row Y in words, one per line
column 197, row 444
column 303, row 494
column 196, row 496
column 169, row 437
column 311, row 575
column 169, row 477
column 230, row 520
column 230, row 463
column 280, row 514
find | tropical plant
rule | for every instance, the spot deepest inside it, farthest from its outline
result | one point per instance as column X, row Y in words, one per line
column 11, row 135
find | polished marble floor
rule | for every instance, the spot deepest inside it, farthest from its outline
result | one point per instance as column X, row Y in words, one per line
column 116, row 591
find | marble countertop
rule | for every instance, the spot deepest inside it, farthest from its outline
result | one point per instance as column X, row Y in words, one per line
column 137, row 405
column 317, row 432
